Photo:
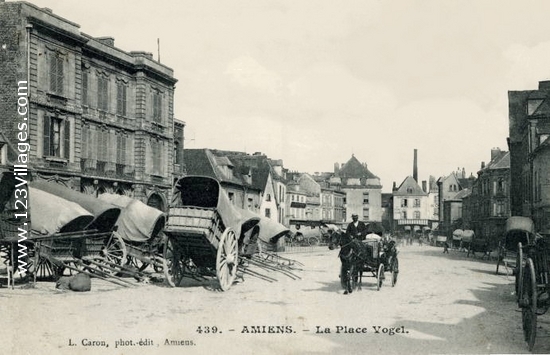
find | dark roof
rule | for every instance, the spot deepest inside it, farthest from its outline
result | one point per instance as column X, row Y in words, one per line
column 198, row 163
column 354, row 169
column 409, row 187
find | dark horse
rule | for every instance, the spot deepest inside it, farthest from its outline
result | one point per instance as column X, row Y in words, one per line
column 356, row 257
column 352, row 255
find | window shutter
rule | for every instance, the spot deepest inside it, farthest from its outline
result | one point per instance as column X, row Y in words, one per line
column 59, row 74
column 84, row 88
column 67, row 139
column 84, row 142
column 46, row 140
column 53, row 69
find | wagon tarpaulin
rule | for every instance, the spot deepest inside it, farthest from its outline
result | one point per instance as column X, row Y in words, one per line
column 270, row 231
column 52, row 214
column 137, row 222
column 105, row 214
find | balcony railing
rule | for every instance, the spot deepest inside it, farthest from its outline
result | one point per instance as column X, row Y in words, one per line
column 106, row 169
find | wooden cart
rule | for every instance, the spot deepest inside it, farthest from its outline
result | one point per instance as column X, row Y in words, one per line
column 203, row 229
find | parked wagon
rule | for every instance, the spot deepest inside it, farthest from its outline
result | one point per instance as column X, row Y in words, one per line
column 141, row 228
column 519, row 232
column 534, row 293
column 73, row 231
column 202, row 231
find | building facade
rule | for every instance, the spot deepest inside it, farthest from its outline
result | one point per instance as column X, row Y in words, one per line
column 99, row 119
column 528, row 142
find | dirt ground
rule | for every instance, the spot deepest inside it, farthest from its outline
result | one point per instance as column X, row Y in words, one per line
column 442, row 304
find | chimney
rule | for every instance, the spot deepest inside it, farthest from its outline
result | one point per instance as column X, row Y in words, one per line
column 494, row 153
column 482, row 165
column 394, row 188
column 415, row 166
column 463, row 173
column 424, row 186
column 336, row 168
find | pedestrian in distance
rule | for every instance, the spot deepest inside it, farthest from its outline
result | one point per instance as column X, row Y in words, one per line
column 445, row 248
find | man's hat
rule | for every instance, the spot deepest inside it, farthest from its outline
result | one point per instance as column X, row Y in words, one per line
column 355, row 215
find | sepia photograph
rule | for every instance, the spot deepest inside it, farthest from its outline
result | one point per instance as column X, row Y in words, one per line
column 274, row 177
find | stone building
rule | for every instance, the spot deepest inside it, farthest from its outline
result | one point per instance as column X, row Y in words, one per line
column 99, row 119
column 488, row 206
column 410, row 208
column 363, row 190
column 529, row 143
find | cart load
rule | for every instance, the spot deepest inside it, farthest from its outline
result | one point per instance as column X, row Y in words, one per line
column 137, row 222
column 105, row 214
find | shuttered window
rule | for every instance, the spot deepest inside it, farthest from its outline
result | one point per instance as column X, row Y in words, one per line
column 56, row 73
column 121, row 99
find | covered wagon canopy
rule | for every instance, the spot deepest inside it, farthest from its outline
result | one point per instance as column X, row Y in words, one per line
column 206, row 192
column 468, row 235
column 52, row 214
column 137, row 222
column 270, row 231
column 458, row 234
column 518, row 230
column 105, row 214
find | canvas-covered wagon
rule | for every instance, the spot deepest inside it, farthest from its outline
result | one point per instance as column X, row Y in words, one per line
column 203, row 230
column 141, row 227
column 73, row 231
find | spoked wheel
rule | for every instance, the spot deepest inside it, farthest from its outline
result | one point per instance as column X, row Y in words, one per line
column 174, row 268
column 114, row 252
column 528, row 304
column 227, row 259
column 519, row 272
column 394, row 272
column 136, row 263
column 380, row 277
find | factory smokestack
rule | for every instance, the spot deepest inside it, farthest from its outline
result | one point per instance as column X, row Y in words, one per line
column 415, row 167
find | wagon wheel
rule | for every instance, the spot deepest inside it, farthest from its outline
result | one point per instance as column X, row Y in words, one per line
column 528, row 304
column 394, row 271
column 313, row 241
column 174, row 268
column 519, row 272
column 136, row 263
column 227, row 259
column 114, row 252
column 380, row 277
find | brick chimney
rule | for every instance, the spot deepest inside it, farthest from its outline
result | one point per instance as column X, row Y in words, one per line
column 415, row 166
column 494, row 153
column 424, row 186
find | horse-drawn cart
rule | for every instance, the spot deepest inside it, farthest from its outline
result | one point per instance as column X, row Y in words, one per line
column 203, row 229
column 381, row 257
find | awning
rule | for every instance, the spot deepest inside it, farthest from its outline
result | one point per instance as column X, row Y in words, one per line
column 297, row 205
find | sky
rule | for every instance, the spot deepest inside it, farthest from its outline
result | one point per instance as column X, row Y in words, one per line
column 312, row 82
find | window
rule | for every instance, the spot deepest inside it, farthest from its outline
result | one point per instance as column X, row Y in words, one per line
column 157, row 151
column 404, row 214
column 121, row 99
column 56, row 73
column 268, row 197
column 416, row 215
column 250, row 201
column 404, row 202
column 416, row 202
column 57, row 137
column 268, row 212
column 102, row 93
column 231, row 196
column 121, row 149
column 84, row 92
column 157, row 107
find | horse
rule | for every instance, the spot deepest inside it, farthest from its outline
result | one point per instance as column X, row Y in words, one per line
column 352, row 255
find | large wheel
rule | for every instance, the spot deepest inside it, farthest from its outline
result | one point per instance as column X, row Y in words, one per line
column 380, row 277
column 519, row 271
column 394, row 271
column 227, row 259
column 115, row 251
column 528, row 304
column 174, row 269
